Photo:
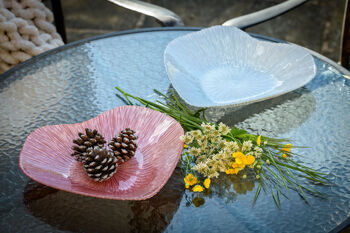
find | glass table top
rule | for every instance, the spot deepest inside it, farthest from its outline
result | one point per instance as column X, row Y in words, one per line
column 77, row 83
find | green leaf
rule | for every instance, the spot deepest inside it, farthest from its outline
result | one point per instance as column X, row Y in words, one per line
column 257, row 193
column 276, row 200
column 303, row 196
column 230, row 138
column 198, row 112
column 236, row 132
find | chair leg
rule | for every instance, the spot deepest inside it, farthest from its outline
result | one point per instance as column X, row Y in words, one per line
column 345, row 39
column 59, row 20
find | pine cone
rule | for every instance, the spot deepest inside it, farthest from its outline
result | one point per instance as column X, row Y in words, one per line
column 91, row 139
column 123, row 146
column 99, row 163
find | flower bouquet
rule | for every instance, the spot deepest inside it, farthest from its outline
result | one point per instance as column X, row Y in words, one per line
column 212, row 150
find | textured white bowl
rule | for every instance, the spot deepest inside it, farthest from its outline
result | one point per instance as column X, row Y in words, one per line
column 223, row 65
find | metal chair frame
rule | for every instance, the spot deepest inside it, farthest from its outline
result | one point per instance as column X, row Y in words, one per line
column 168, row 18
column 345, row 38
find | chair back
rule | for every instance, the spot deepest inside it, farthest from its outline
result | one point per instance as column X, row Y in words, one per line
column 345, row 38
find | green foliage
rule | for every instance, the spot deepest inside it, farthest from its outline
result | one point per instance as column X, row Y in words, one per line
column 275, row 172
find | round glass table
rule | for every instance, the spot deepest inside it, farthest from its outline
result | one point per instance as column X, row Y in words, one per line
column 76, row 82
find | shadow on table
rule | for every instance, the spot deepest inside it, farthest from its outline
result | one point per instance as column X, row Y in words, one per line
column 72, row 212
column 278, row 115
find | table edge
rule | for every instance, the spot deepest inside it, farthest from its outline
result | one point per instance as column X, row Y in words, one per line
column 342, row 70
column 86, row 40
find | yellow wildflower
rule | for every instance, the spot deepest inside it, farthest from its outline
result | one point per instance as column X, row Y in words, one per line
column 242, row 166
column 232, row 171
column 185, row 146
column 284, row 156
column 190, row 180
column 239, row 160
column 238, row 166
column 287, row 147
column 257, row 176
column 258, row 140
column 237, row 154
column 244, row 177
column 197, row 188
column 207, row 183
column 229, row 171
column 250, row 159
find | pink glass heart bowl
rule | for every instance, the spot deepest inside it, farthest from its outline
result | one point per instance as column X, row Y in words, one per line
column 46, row 154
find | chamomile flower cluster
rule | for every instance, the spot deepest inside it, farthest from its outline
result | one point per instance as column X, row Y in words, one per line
column 212, row 152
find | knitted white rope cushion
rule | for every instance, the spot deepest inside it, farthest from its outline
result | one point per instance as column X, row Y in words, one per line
column 26, row 30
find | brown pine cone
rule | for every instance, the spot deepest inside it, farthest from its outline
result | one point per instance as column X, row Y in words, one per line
column 99, row 163
column 91, row 138
column 123, row 146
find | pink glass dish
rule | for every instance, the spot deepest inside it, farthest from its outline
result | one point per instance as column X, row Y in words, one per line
column 46, row 154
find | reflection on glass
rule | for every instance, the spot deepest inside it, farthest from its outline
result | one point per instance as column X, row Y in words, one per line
column 242, row 186
column 226, row 187
column 198, row 201
column 72, row 212
column 276, row 115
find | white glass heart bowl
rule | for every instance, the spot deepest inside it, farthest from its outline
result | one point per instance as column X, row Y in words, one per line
column 223, row 65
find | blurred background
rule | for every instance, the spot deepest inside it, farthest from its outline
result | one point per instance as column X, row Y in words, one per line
column 316, row 24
